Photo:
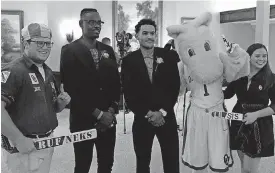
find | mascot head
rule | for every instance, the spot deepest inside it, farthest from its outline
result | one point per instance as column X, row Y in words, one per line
column 196, row 46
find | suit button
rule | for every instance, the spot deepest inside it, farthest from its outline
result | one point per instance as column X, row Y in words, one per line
column 100, row 89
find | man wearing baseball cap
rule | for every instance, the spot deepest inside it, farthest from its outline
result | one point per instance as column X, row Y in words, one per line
column 30, row 101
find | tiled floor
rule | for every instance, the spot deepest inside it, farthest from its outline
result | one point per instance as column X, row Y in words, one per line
column 63, row 159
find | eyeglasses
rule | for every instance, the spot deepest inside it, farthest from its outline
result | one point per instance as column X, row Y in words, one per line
column 41, row 44
column 94, row 22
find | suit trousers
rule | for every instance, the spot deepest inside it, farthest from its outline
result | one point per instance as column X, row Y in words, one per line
column 105, row 145
column 143, row 136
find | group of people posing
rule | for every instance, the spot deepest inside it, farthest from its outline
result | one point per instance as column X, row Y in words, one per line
column 91, row 83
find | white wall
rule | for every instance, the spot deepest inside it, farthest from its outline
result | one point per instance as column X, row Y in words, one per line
column 174, row 10
column 106, row 12
column 170, row 17
column 34, row 11
column 242, row 34
column 226, row 5
column 54, row 13
column 57, row 13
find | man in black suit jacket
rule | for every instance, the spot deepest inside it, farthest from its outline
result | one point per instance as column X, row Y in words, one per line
column 90, row 76
column 151, row 82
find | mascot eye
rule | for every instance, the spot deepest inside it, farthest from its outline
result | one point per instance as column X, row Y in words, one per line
column 207, row 46
column 191, row 52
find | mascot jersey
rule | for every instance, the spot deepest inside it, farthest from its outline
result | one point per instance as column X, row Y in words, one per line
column 204, row 95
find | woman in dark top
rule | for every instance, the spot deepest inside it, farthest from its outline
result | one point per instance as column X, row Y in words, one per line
column 253, row 138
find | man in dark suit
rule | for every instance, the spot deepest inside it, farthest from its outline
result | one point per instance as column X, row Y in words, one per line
column 89, row 73
column 151, row 82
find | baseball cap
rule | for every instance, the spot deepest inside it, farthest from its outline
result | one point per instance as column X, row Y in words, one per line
column 36, row 32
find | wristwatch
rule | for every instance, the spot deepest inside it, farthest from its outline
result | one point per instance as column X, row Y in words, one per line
column 100, row 115
column 164, row 113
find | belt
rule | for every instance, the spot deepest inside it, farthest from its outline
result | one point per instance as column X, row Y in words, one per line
column 35, row 136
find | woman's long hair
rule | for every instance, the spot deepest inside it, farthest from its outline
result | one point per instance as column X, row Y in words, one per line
column 265, row 75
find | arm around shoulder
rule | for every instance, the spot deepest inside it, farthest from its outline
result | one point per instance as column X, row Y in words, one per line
column 236, row 64
column 229, row 92
column 173, row 55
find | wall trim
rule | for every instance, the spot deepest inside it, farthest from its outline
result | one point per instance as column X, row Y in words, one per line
column 246, row 14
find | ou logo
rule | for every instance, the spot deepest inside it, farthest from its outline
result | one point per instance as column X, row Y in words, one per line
column 226, row 159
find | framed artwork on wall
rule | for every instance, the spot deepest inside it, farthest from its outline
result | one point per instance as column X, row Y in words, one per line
column 126, row 15
column 11, row 44
column 184, row 20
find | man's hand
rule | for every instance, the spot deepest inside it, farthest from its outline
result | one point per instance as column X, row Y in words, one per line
column 149, row 115
column 24, row 145
column 155, row 118
column 112, row 111
column 106, row 121
column 63, row 98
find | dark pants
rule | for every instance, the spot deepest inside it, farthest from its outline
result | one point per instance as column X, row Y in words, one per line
column 105, row 145
column 143, row 136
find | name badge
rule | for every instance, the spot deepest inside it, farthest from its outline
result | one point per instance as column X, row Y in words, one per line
column 33, row 78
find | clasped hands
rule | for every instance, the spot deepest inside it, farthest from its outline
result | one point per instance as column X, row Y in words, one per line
column 155, row 118
column 107, row 120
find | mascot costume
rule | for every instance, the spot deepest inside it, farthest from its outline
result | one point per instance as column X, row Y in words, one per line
column 203, row 69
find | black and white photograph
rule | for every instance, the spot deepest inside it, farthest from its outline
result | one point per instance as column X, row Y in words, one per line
column 128, row 86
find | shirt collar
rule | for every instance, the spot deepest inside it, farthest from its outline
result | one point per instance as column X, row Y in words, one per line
column 147, row 54
column 31, row 64
column 87, row 44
